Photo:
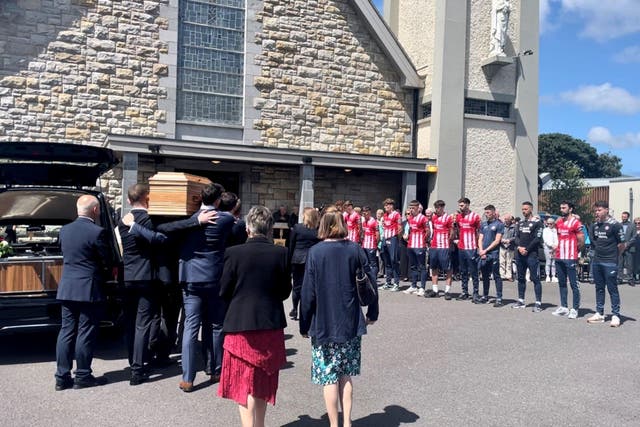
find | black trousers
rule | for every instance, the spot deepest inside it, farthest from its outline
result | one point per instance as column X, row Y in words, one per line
column 297, row 273
column 140, row 307
column 77, row 338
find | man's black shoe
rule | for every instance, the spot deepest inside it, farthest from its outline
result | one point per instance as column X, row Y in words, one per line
column 447, row 296
column 483, row 300
column 462, row 297
column 430, row 294
column 293, row 314
column 64, row 384
column 90, row 381
column 498, row 303
column 137, row 379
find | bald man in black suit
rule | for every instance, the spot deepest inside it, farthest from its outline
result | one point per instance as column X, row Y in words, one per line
column 85, row 264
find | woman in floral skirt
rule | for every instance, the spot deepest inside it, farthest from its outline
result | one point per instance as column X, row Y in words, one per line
column 330, row 313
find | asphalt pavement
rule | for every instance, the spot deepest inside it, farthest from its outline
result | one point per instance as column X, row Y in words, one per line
column 426, row 362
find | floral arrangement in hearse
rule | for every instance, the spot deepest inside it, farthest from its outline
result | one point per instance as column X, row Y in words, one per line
column 5, row 248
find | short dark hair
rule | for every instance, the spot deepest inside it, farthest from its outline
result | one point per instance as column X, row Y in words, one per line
column 439, row 204
column 601, row 204
column 625, row 212
column 228, row 201
column 137, row 192
column 489, row 208
column 389, row 202
column 366, row 209
column 568, row 203
column 528, row 203
column 464, row 200
column 414, row 203
column 211, row 192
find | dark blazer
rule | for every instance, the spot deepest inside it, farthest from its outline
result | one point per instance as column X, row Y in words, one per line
column 140, row 249
column 202, row 251
column 86, row 258
column 330, row 310
column 255, row 281
column 300, row 241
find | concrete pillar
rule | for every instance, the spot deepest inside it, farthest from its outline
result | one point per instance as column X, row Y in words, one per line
column 526, row 106
column 307, row 178
column 409, row 189
column 129, row 177
column 447, row 119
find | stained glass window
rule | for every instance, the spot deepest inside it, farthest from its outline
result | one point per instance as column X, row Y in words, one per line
column 211, row 61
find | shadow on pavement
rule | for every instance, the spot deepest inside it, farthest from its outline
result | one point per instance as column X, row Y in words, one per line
column 393, row 416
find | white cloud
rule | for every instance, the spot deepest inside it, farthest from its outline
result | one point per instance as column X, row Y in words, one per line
column 602, row 135
column 628, row 55
column 605, row 20
column 605, row 97
column 545, row 9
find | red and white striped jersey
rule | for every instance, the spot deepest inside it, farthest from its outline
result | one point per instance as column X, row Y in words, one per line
column 468, row 226
column 441, row 230
column 353, row 226
column 391, row 224
column 418, row 226
column 568, row 231
column 370, row 228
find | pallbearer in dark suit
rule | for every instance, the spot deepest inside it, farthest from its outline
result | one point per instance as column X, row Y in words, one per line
column 143, row 290
column 85, row 264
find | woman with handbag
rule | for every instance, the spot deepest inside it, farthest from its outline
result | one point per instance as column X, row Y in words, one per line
column 303, row 237
column 329, row 293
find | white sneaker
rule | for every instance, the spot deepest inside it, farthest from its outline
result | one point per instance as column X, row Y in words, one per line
column 554, row 280
column 573, row 314
column 420, row 292
column 410, row 290
column 596, row 318
column 615, row 321
column 560, row 311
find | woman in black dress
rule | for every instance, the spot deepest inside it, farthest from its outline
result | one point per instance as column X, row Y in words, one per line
column 303, row 237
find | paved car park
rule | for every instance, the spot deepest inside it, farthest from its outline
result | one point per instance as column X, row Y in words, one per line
column 425, row 363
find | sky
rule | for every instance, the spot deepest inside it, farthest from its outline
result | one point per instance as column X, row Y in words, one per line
column 590, row 74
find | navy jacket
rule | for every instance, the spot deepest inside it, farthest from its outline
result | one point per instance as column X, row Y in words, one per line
column 141, row 253
column 255, row 281
column 202, row 251
column 300, row 241
column 86, row 258
column 330, row 310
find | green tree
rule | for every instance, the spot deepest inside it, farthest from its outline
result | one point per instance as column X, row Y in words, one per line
column 556, row 149
column 570, row 187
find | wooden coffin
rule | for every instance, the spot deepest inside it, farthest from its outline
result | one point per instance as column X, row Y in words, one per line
column 175, row 193
column 33, row 275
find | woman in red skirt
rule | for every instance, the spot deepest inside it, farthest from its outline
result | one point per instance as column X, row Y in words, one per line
column 255, row 281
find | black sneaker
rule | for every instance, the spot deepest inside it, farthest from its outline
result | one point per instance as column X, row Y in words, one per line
column 462, row 297
column 447, row 296
column 498, row 303
column 431, row 294
column 90, row 381
column 293, row 314
column 64, row 384
column 475, row 299
column 537, row 308
column 483, row 299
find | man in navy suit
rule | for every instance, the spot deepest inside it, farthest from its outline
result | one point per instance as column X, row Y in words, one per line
column 85, row 264
column 201, row 263
column 143, row 289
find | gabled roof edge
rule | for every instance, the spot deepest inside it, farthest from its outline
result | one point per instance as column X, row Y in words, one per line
column 389, row 43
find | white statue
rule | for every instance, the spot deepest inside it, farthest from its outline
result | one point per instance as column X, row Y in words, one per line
column 499, row 23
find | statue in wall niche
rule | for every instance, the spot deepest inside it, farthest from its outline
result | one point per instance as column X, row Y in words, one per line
column 499, row 22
